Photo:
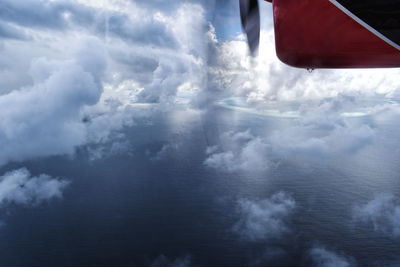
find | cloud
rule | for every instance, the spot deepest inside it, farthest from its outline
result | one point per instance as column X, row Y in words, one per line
column 20, row 187
column 43, row 13
column 266, row 219
column 311, row 141
column 322, row 257
column 265, row 78
column 9, row 31
column 383, row 213
column 44, row 119
column 241, row 152
column 322, row 130
column 163, row 261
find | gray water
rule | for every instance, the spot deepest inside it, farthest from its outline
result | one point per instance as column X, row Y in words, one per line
column 128, row 209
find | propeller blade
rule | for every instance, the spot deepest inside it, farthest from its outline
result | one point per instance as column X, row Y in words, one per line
column 250, row 17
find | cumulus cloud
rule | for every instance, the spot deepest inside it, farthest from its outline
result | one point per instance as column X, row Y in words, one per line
column 382, row 212
column 311, row 140
column 322, row 129
column 241, row 151
column 20, row 187
column 322, row 257
column 265, row 219
column 44, row 119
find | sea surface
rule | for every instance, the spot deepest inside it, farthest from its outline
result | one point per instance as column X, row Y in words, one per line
column 158, row 200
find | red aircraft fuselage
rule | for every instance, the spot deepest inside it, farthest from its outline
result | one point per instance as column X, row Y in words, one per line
column 338, row 33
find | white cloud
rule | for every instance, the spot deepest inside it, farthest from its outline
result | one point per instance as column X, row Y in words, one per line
column 322, row 257
column 159, row 53
column 383, row 213
column 264, row 219
column 265, row 78
column 322, row 130
column 313, row 141
column 241, row 151
column 20, row 187
column 44, row 119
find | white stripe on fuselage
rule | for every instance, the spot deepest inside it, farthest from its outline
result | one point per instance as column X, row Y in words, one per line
column 365, row 25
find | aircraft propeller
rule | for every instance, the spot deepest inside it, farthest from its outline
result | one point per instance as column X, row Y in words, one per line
column 250, row 18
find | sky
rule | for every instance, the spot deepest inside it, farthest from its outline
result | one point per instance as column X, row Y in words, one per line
column 75, row 73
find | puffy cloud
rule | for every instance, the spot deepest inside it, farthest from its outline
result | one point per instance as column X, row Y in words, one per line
column 322, row 128
column 383, row 213
column 312, row 141
column 264, row 219
column 44, row 119
column 241, row 152
column 20, row 187
column 322, row 257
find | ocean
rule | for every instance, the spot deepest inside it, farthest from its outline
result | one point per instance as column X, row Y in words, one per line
column 156, row 202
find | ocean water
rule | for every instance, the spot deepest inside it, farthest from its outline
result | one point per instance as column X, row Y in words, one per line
column 132, row 209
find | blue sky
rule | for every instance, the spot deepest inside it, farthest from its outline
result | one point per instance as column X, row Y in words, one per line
column 227, row 19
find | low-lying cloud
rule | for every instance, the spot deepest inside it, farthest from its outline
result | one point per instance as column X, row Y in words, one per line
column 239, row 151
column 322, row 257
column 265, row 219
column 382, row 213
column 20, row 187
